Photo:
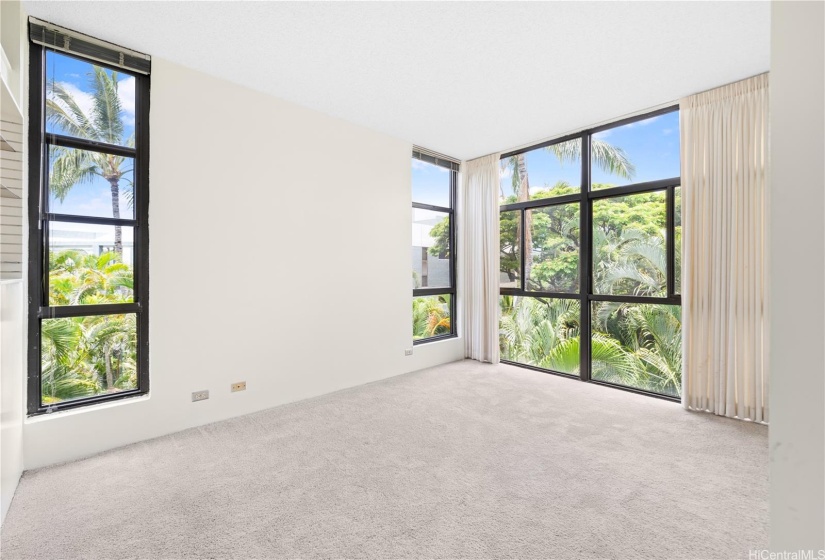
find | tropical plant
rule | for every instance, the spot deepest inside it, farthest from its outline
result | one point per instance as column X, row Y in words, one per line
column 607, row 157
column 77, row 278
column 650, row 336
column 545, row 333
column 86, row 356
column 104, row 123
column 431, row 316
column 59, row 377
column 638, row 345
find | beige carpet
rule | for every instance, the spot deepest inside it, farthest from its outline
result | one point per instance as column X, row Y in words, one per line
column 460, row 461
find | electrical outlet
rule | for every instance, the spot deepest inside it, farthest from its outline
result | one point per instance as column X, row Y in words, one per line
column 408, row 352
column 239, row 386
column 200, row 396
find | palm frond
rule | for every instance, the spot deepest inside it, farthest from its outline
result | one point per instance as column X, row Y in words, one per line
column 63, row 112
column 107, row 108
column 611, row 159
column 69, row 167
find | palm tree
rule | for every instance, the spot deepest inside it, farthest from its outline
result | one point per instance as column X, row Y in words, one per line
column 112, row 349
column 71, row 167
column 650, row 336
column 630, row 261
column 545, row 333
column 62, row 354
column 607, row 157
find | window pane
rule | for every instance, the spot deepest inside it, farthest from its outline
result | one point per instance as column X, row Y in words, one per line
column 510, row 259
column 87, row 266
column 629, row 249
column 430, row 184
column 87, row 356
column 553, row 265
column 430, row 249
column 646, row 150
column 677, row 222
column 540, row 332
column 545, row 172
column 431, row 316
column 89, row 101
column 638, row 345
column 88, row 183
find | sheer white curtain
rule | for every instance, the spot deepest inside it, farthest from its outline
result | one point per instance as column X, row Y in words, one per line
column 724, row 301
column 478, row 218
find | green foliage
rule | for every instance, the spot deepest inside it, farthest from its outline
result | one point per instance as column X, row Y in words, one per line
column 650, row 337
column 555, row 242
column 629, row 248
column 95, row 354
column 540, row 332
column 638, row 345
column 86, row 356
column 631, row 344
column 509, row 260
column 440, row 232
column 431, row 316
column 76, row 278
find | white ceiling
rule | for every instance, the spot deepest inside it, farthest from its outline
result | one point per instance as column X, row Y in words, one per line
column 462, row 78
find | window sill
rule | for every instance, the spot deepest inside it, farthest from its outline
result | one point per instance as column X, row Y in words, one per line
column 46, row 416
column 442, row 338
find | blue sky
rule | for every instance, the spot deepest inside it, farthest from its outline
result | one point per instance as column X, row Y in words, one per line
column 652, row 145
column 91, row 198
column 430, row 184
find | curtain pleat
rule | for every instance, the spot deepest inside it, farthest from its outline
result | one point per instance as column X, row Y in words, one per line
column 724, row 212
column 478, row 204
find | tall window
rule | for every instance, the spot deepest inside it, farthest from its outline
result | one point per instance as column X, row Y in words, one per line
column 591, row 255
column 433, row 246
column 88, row 209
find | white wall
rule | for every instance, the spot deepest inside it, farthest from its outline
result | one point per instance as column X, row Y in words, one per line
column 11, row 390
column 250, row 199
column 797, row 393
column 12, row 297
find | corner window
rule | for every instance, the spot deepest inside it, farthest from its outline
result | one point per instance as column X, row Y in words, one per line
column 88, row 210
column 591, row 236
column 433, row 247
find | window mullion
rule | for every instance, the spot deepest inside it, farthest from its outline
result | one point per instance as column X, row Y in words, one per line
column 53, row 139
column 62, row 311
column 670, row 232
column 585, row 263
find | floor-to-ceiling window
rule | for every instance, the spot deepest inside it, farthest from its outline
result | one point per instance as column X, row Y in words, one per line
column 88, row 220
column 433, row 246
column 591, row 255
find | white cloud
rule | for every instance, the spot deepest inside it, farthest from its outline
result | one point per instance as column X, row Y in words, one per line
column 84, row 100
column 424, row 166
column 603, row 134
column 126, row 92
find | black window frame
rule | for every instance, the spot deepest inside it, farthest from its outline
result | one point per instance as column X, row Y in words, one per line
column 585, row 199
column 453, row 168
column 40, row 218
